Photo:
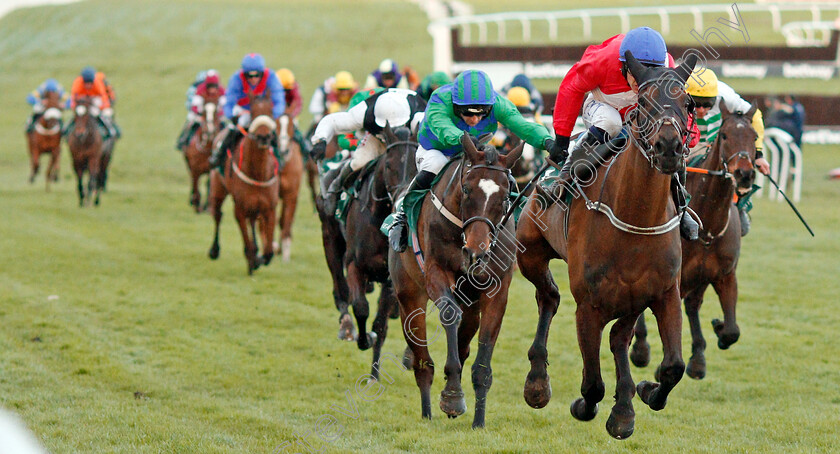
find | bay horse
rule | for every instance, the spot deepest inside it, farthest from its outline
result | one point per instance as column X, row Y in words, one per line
column 85, row 143
column 526, row 166
column 291, row 175
column 623, row 254
column 197, row 152
column 714, row 258
column 467, row 272
column 251, row 178
column 45, row 138
column 366, row 255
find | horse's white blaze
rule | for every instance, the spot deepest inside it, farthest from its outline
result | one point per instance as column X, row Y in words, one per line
column 489, row 187
column 262, row 120
column 52, row 113
column 284, row 133
column 740, row 125
column 80, row 110
column 210, row 108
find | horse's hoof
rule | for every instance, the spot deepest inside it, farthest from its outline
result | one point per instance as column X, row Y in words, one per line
column 367, row 341
column 452, row 403
column 580, row 411
column 537, row 390
column 395, row 312
column 696, row 367
column 620, row 426
column 725, row 340
column 346, row 330
column 645, row 390
column 213, row 253
column 640, row 354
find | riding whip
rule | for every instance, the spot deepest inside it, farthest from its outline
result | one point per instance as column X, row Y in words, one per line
column 536, row 176
column 798, row 214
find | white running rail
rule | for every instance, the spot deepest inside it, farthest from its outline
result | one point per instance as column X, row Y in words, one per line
column 782, row 149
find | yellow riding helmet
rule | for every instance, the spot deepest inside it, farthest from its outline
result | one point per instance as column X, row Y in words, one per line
column 703, row 83
column 344, row 81
column 287, row 78
column 519, row 96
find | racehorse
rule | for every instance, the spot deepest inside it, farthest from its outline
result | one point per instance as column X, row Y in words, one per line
column 366, row 256
column 714, row 258
column 291, row 175
column 251, row 178
column 622, row 251
column 526, row 166
column 197, row 152
column 45, row 138
column 85, row 143
column 467, row 259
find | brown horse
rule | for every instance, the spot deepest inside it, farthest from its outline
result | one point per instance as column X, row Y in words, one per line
column 621, row 260
column 45, row 138
column 251, row 178
column 290, row 177
column 85, row 143
column 526, row 167
column 366, row 256
column 197, row 152
column 714, row 259
column 468, row 259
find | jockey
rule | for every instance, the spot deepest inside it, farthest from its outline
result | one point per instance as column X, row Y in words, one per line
column 387, row 75
column 253, row 79
column 521, row 80
column 36, row 100
column 707, row 99
column 199, row 78
column 333, row 95
column 468, row 104
column 209, row 90
column 294, row 104
column 431, row 83
column 601, row 83
column 91, row 83
column 395, row 107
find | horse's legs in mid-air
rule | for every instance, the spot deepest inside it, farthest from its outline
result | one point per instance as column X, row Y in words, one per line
column 622, row 418
column 79, row 169
column 55, row 156
column 215, row 198
column 334, row 249
column 640, row 355
column 727, row 331
column 669, row 320
column 590, row 329
column 413, row 300
column 357, row 283
column 195, row 194
column 312, row 178
column 492, row 311
column 289, row 193
column 387, row 299
column 34, row 157
column 266, row 221
column 439, row 284
column 93, row 180
column 697, row 362
column 249, row 238
column 104, row 163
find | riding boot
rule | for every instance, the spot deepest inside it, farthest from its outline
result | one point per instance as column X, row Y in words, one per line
column 184, row 137
column 106, row 127
column 30, row 125
column 116, row 129
column 689, row 228
column 340, row 184
column 305, row 146
column 745, row 221
column 398, row 234
column 585, row 151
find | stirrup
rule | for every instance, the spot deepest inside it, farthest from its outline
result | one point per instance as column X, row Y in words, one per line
column 689, row 228
column 745, row 222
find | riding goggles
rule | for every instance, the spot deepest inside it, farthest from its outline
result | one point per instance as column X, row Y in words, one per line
column 472, row 110
column 706, row 103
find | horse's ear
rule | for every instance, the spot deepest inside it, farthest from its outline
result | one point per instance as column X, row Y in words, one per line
column 750, row 113
column 636, row 69
column 389, row 133
column 687, row 66
column 724, row 111
column 510, row 159
column 485, row 138
column 473, row 155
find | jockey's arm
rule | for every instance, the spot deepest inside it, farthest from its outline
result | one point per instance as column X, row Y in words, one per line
column 33, row 98
column 584, row 77
column 440, row 123
column 234, row 92
column 735, row 103
column 316, row 106
column 340, row 123
column 533, row 134
column 197, row 104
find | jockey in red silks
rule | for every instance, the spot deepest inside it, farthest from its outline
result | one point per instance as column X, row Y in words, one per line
column 601, row 83
column 294, row 105
column 208, row 91
column 253, row 79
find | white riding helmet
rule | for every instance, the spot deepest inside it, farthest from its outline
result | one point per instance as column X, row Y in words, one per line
column 392, row 108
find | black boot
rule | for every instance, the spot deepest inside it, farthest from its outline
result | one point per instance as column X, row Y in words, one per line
column 589, row 150
column 184, row 137
column 398, row 234
column 337, row 186
column 689, row 228
column 30, row 125
column 745, row 221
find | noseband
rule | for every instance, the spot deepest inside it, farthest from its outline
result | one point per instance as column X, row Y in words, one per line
column 652, row 129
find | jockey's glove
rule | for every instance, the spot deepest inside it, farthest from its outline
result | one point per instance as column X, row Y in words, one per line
column 319, row 150
column 558, row 149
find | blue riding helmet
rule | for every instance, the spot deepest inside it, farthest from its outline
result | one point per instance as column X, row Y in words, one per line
column 253, row 62
column 88, row 74
column 521, row 80
column 473, row 87
column 50, row 85
column 646, row 45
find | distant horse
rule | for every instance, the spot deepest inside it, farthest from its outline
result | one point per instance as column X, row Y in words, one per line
column 714, row 258
column 85, row 143
column 366, row 257
column 468, row 266
column 623, row 254
column 197, row 152
column 525, row 167
column 290, row 177
column 46, row 138
column 251, row 178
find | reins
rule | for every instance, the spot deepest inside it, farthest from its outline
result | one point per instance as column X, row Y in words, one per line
column 242, row 176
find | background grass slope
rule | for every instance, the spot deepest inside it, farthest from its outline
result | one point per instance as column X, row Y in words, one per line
column 118, row 335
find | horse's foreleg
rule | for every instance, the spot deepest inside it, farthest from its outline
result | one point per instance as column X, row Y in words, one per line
column 357, row 283
column 697, row 363
column 249, row 248
column 669, row 320
column 439, row 284
column 286, row 219
column 622, row 418
column 387, row 300
column 93, row 181
column 412, row 301
column 267, row 221
column 215, row 198
column 55, row 158
column 492, row 312
column 641, row 348
column 590, row 329
column 195, row 195
column 727, row 331
column 79, row 169
column 34, row 163
column 334, row 249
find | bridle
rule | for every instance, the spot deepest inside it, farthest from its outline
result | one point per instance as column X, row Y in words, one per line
column 391, row 191
column 646, row 128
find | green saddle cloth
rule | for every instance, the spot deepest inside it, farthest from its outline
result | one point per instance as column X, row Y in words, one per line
column 342, row 207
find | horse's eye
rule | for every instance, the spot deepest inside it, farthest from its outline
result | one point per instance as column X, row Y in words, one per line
column 466, row 190
column 723, row 136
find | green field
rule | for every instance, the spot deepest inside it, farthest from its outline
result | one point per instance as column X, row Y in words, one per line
column 119, row 335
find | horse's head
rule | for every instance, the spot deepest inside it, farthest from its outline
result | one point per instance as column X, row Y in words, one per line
column 400, row 147
column 263, row 126
column 660, row 120
column 736, row 139
column 52, row 99
column 83, row 115
column 485, row 190
column 210, row 119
